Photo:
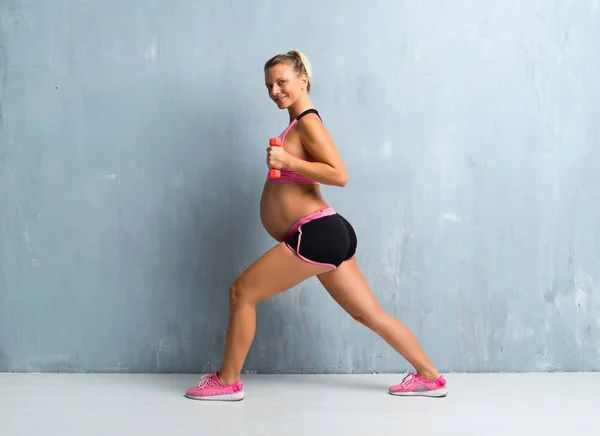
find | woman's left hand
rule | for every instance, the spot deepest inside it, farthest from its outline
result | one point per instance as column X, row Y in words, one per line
column 278, row 158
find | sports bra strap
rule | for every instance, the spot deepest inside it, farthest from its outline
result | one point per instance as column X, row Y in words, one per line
column 308, row 111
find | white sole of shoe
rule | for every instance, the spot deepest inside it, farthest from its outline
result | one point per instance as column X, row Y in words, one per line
column 229, row 397
column 433, row 394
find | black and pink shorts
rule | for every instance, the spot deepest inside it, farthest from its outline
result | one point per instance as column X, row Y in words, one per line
column 322, row 238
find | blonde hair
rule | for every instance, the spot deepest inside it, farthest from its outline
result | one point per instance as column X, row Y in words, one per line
column 297, row 60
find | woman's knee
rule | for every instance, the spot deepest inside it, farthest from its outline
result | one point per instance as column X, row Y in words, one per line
column 240, row 293
column 371, row 318
column 360, row 319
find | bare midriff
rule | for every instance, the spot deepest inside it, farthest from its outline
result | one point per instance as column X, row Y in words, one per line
column 283, row 204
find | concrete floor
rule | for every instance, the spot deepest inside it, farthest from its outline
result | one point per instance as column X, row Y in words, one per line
column 290, row 405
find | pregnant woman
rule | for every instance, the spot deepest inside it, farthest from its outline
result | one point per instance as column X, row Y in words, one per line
column 313, row 240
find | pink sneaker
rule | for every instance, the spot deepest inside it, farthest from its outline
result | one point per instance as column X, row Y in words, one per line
column 211, row 388
column 414, row 385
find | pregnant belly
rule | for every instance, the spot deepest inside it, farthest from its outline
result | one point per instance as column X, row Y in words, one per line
column 281, row 205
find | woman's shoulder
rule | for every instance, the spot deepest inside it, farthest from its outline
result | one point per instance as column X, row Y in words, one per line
column 311, row 127
column 310, row 122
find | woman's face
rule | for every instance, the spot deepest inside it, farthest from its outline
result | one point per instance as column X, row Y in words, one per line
column 284, row 85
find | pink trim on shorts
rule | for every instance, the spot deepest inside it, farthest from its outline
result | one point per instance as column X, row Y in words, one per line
column 308, row 218
column 298, row 226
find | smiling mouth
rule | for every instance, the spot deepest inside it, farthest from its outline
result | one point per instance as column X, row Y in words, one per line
column 279, row 100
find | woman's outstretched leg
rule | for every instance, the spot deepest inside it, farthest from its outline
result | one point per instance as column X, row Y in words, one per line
column 276, row 271
column 349, row 289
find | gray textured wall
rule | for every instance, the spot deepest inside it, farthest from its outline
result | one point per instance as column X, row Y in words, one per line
column 132, row 143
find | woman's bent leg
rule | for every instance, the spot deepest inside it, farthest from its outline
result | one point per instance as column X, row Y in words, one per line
column 276, row 271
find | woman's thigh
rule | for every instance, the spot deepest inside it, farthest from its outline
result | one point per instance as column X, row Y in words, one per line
column 349, row 288
column 278, row 270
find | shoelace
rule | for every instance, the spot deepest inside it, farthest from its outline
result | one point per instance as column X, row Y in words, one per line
column 206, row 381
column 408, row 379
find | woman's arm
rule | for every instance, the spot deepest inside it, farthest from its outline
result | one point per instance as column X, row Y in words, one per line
column 329, row 168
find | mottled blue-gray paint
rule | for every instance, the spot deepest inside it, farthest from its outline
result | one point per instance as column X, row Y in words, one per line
column 132, row 143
